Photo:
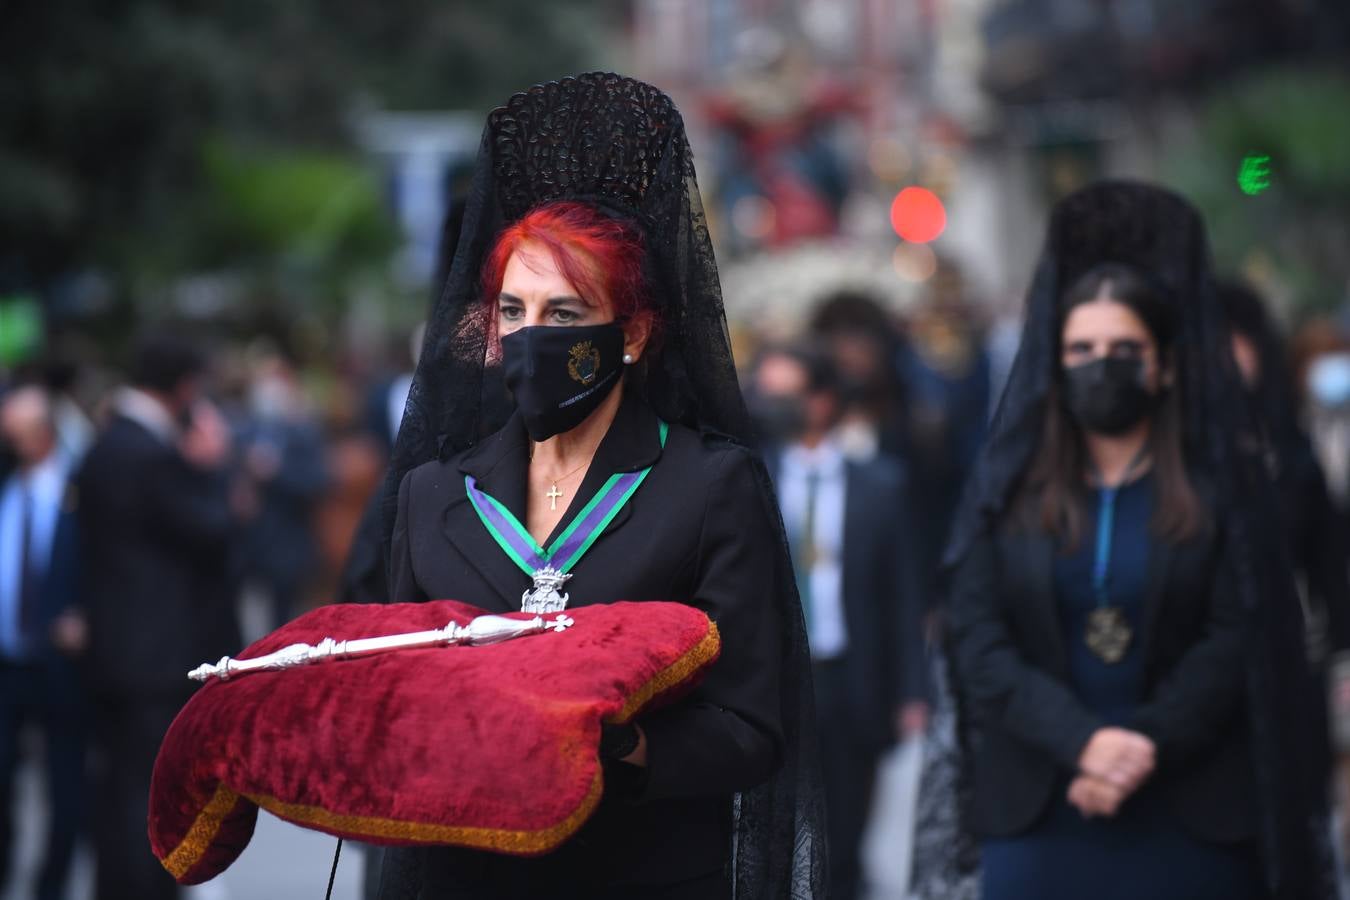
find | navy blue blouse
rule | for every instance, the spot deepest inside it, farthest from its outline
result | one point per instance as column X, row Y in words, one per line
column 1113, row 690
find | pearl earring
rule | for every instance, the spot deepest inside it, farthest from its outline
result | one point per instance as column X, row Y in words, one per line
column 628, row 359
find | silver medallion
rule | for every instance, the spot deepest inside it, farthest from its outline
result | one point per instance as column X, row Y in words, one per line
column 544, row 597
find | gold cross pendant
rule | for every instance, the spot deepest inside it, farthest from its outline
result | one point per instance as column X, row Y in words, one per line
column 553, row 495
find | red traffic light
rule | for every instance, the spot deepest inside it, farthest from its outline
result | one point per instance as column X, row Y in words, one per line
column 917, row 215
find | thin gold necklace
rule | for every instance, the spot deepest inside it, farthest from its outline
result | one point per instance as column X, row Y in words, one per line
column 554, row 494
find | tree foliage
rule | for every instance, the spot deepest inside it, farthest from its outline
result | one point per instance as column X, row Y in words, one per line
column 1300, row 225
column 122, row 122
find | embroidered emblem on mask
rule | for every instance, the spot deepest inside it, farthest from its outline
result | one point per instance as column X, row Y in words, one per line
column 583, row 363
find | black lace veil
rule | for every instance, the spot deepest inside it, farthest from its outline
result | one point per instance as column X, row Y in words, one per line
column 621, row 144
column 1162, row 235
column 1275, row 396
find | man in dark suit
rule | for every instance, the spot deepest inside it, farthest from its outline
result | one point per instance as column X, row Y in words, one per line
column 853, row 551
column 283, row 463
column 156, row 526
column 40, row 628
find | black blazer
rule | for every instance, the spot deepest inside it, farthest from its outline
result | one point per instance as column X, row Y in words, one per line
column 155, row 533
column 700, row 530
column 279, row 543
column 1028, row 728
column 882, row 597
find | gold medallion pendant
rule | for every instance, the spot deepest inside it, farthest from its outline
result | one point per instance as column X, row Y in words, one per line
column 1108, row 634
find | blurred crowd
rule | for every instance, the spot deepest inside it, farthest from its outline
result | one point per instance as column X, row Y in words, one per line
column 864, row 387
column 152, row 517
column 162, row 513
column 286, row 183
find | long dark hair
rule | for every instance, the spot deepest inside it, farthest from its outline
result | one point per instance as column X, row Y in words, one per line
column 1053, row 494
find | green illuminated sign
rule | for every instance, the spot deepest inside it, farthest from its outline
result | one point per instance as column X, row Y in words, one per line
column 1254, row 174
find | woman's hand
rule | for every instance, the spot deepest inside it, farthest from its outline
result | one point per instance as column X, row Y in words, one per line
column 1094, row 797
column 1121, row 758
column 1114, row 764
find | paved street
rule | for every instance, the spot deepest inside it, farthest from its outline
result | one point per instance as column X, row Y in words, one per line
column 283, row 862
column 886, row 847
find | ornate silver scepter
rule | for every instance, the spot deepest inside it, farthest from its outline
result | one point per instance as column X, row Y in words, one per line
column 482, row 630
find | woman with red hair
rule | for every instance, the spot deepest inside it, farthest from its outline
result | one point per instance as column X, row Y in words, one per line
column 598, row 301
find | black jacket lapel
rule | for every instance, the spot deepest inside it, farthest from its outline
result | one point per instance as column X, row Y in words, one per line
column 1159, row 562
column 471, row 539
column 498, row 466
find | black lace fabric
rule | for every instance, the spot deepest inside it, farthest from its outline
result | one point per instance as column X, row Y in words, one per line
column 1160, row 234
column 621, row 144
column 945, row 856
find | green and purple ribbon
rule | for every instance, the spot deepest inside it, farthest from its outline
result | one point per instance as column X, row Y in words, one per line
column 576, row 538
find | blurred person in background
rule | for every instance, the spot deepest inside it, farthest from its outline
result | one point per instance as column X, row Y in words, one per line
column 281, row 457
column 1314, row 531
column 355, row 462
column 945, row 367
column 864, row 343
column 363, row 576
column 362, row 571
column 1126, row 646
column 156, row 526
column 42, row 631
column 57, row 375
column 74, row 429
column 384, row 405
column 1327, row 387
column 1001, row 341
column 847, row 525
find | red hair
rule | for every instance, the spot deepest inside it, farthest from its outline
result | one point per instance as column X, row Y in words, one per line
column 601, row 256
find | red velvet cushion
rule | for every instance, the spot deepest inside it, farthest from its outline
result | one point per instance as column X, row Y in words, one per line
column 492, row 747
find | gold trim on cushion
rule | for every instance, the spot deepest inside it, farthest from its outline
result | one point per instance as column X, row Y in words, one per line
column 202, row 833
column 677, row 673
column 503, row 840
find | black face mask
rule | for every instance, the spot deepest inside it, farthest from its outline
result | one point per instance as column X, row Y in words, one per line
column 559, row 375
column 1107, row 395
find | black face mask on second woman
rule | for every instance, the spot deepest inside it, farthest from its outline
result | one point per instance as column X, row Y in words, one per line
column 1108, row 395
column 559, row 375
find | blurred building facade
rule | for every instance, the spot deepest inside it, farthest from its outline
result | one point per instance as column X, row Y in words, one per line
column 1000, row 107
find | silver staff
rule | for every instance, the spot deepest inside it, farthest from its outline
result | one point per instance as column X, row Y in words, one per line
column 482, row 630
